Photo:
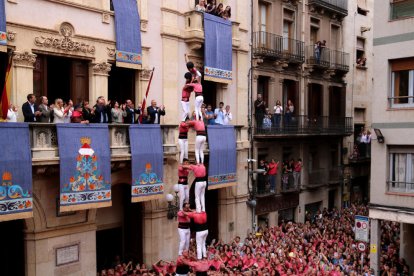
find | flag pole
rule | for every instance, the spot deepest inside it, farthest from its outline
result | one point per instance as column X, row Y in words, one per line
column 144, row 100
column 4, row 96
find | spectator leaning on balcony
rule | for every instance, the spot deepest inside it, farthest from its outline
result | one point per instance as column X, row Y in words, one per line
column 30, row 110
column 102, row 111
column 59, row 112
column 290, row 108
column 272, row 172
column 68, row 105
column 155, row 113
column 45, row 110
column 12, row 114
column 211, row 6
column 117, row 113
column 226, row 13
column 228, row 117
column 278, row 109
column 129, row 112
column 87, row 112
column 259, row 110
column 296, row 173
column 201, row 6
column 219, row 114
column 209, row 115
column 77, row 116
column 267, row 120
column 219, row 10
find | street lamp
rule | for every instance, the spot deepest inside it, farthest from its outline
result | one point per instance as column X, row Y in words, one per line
column 173, row 207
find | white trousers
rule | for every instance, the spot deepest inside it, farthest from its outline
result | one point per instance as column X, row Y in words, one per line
column 198, row 103
column 186, row 110
column 183, row 143
column 184, row 235
column 199, row 148
column 199, row 191
column 201, row 244
column 183, row 194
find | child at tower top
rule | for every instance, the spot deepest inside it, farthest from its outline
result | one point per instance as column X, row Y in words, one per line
column 191, row 68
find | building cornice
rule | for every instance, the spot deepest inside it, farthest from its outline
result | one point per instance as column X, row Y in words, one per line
column 80, row 6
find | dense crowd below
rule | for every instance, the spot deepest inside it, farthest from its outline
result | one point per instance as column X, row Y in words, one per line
column 323, row 245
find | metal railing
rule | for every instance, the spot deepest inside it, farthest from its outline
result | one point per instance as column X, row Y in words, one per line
column 359, row 151
column 317, row 177
column 303, row 124
column 274, row 46
column 335, row 175
column 327, row 58
column 339, row 60
column 400, row 187
column 285, row 183
column 340, row 6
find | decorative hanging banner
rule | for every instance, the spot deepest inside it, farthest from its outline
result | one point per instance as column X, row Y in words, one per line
column 222, row 167
column 218, row 49
column 3, row 34
column 128, row 34
column 16, row 200
column 85, row 166
column 147, row 157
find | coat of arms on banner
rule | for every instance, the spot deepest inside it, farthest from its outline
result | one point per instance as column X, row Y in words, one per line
column 87, row 184
column 13, row 198
column 148, row 183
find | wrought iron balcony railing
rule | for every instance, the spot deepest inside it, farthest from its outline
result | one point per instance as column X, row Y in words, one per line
column 338, row 6
column 272, row 46
column 285, row 125
column 285, row 183
column 327, row 58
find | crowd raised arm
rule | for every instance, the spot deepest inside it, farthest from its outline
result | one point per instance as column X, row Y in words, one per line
column 213, row 8
column 102, row 112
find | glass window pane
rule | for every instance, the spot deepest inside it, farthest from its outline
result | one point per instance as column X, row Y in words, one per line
column 402, row 9
column 400, row 161
column 401, row 87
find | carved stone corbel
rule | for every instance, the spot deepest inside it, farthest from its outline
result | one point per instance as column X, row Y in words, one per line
column 11, row 35
column 111, row 52
column 145, row 74
column 256, row 62
column 24, row 59
column 102, row 68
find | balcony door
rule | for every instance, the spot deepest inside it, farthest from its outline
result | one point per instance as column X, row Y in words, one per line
column 59, row 77
column 288, row 29
column 315, row 101
column 290, row 92
column 337, row 98
column 263, row 29
column 121, row 85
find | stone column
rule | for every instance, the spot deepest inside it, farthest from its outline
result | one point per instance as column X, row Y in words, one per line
column 98, row 81
column 375, row 247
column 22, row 78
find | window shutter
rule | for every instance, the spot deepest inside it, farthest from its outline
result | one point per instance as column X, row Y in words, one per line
column 402, row 64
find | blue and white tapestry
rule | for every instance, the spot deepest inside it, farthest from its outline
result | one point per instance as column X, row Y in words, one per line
column 128, row 34
column 85, row 166
column 16, row 200
column 3, row 34
column 147, row 157
column 222, row 167
column 217, row 49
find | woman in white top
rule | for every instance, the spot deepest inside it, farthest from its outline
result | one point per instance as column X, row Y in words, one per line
column 12, row 114
column 201, row 7
column 60, row 113
column 69, row 105
column 289, row 112
column 278, row 110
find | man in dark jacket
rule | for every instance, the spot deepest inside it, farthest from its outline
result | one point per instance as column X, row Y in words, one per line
column 154, row 113
column 102, row 111
column 30, row 109
column 130, row 112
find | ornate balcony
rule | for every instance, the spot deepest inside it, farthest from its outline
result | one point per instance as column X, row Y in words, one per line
column 194, row 30
column 304, row 126
column 45, row 146
column 275, row 47
column 327, row 59
column 335, row 7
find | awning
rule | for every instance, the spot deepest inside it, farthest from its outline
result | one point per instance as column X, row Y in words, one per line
column 217, row 49
column 222, row 167
column 128, row 34
column 362, row 4
column 147, row 162
column 3, row 34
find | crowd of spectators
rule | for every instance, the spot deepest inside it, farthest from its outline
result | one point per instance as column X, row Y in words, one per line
column 211, row 7
column 220, row 116
column 102, row 112
column 323, row 245
column 266, row 120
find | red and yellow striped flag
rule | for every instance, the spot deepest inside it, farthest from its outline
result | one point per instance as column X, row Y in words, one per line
column 5, row 95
